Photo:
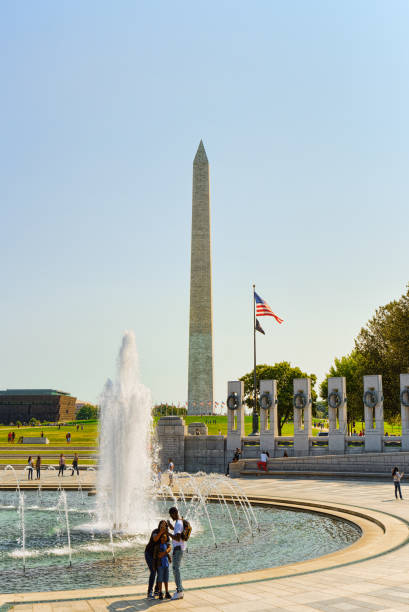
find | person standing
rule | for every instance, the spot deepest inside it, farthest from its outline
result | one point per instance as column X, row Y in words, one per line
column 171, row 470
column 396, row 475
column 75, row 465
column 62, row 465
column 262, row 464
column 161, row 557
column 178, row 546
column 149, row 550
column 30, row 468
column 38, row 467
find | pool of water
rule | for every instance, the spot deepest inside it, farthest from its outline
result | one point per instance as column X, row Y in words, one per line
column 281, row 537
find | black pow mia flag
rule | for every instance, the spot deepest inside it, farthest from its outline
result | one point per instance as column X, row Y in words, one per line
column 259, row 328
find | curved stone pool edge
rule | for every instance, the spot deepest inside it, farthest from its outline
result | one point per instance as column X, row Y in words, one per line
column 381, row 533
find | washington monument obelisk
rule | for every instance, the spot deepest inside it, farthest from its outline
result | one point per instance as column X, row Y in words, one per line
column 200, row 377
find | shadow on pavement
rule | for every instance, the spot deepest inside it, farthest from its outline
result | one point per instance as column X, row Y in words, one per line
column 131, row 605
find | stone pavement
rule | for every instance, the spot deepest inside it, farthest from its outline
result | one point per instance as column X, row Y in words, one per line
column 379, row 583
column 49, row 478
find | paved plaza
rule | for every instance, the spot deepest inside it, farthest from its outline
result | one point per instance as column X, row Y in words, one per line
column 49, row 479
column 381, row 582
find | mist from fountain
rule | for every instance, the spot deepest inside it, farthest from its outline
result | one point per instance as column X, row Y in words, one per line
column 124, row 471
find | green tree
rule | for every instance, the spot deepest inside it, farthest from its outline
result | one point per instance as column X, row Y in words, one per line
column 168, row 410
column 383, row 344
column 87, row 412
column 353, row 368
column 283, row 373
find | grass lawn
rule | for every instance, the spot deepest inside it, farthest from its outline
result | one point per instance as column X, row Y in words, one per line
column 288, row 429
column 87, row 437
column 218, row 423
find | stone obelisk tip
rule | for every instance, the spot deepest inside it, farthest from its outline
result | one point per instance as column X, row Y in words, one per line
column 200, row 156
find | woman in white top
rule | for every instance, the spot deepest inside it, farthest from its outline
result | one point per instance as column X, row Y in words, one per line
column 30, row 466
column 396, row 481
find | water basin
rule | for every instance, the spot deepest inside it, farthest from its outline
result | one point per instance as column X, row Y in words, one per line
column 98, row 561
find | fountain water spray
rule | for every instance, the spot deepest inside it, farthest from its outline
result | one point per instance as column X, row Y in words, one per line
column 23, row 528
column 111, row 539
column 10, row 467
column 40, row 499
column 63, row 501
column 80, row 489
column 124, row 472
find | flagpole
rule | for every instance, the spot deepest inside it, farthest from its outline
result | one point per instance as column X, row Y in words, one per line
column 255, row 417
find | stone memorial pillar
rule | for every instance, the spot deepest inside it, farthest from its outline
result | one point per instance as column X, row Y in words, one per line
column 235, row 416
column 268, row 415
column 171, row 431
column 337, row 414
column 404, row 410
column 373, row 406
column 302, row 402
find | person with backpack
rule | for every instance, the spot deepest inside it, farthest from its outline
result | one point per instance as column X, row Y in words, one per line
column 181, row 533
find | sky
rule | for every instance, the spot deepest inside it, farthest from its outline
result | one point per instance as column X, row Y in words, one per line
column 303, row 109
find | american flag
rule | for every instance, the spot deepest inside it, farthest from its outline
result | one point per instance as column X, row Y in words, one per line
column 264, row 310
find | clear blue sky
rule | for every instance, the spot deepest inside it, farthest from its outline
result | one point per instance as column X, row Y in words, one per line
column 303, row 110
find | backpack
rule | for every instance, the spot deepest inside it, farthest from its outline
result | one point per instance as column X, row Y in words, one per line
column 187, row 530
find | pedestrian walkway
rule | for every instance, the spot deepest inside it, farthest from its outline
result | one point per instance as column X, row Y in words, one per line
column 379, row 583
column 49, row 478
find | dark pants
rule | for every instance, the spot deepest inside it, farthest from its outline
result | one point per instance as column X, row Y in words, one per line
column 75, row 469
column 30, row 473
column 152, row 570
column 397, row 488
column 38, row 470
column 61, row 470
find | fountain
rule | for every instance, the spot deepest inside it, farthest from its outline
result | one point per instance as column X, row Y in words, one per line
column 106, row 534
column 124, row 472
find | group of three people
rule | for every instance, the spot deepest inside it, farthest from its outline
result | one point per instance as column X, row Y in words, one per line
column 166, row 545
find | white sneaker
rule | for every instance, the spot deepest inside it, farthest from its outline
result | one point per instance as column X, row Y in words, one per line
column 177, row 595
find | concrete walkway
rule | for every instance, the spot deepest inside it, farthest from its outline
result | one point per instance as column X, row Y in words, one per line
column 49, row 479
column 379, row 583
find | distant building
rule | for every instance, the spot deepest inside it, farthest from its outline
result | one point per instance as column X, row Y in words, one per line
column 42, row 404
